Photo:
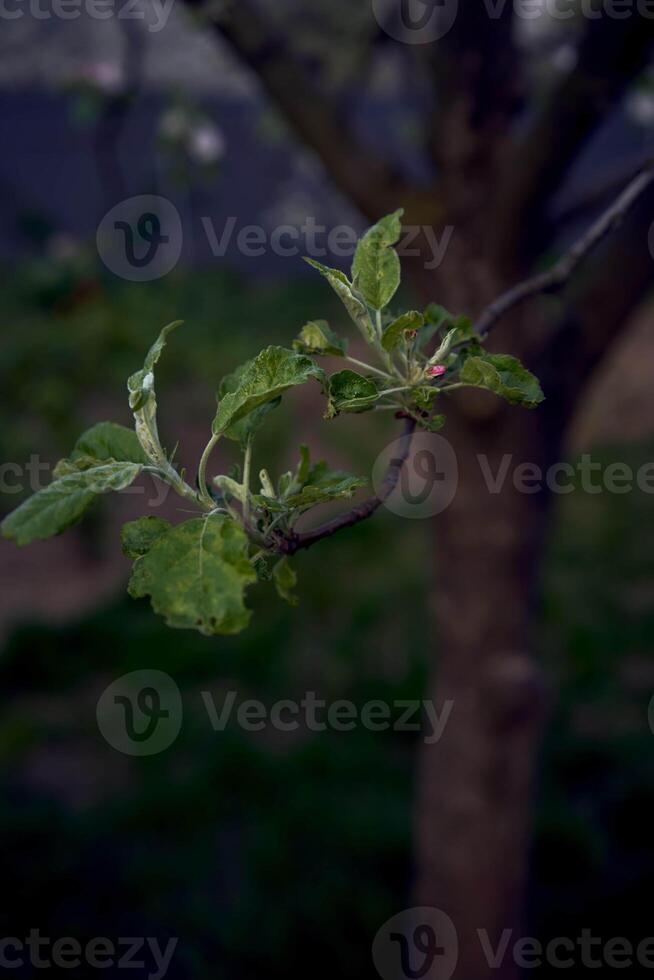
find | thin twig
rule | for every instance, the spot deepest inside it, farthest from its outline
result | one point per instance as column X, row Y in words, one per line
column 561, row 272
column 247, row 465
column 366, row 367
column 289, row 544
column 202, row 471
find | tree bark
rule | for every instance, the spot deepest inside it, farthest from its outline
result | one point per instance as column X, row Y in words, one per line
column 475, row 784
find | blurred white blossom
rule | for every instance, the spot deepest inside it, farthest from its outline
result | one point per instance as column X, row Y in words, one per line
column 564, row 58
column 206, row 143
column 640, row 107
column 107, row 76
column 199, row 138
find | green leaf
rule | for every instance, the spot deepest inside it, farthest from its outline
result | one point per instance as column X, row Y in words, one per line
column 137, row 537
column 285, row 579
column 262, row 380
column 104, row 442
column 67, row 466
column 424, row 396
column 230, row 488
column 262, row 568
column 268, row 500
column 284, row 483
column 376, row 266
column 310, row 485
column 352, row 303
column 267, row 487
column 244, row 430
column 317, row 472
column 433, row 424
column 263, row 502
column 396, row 330
column 143, row 401
column 437, row 318
column 503, row 375
column 442, row 352
column 64, row 502
column 332, row 485
column 304, row 465
column 350, row 392
column 141, row 384
column 317, row 337
column 196, row 576
column 465, row 330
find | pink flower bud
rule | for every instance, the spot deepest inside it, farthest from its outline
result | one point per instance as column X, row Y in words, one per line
column 436, row 371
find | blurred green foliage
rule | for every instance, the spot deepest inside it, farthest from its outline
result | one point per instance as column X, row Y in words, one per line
column 74, row 335
column 281, row 855
column 263, row 854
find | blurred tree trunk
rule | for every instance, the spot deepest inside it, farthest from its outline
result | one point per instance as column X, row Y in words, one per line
column 474, row 785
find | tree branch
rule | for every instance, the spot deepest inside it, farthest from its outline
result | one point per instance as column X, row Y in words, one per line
column 477, row 93
column 289, row 544
column 595, row 193
column 598, row 310
column 360, row 174
column 610, row 55
column 559, row 275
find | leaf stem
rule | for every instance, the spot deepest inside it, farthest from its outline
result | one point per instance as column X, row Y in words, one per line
column 408, row 355
column 273, row 524
column 384, row 355
column 367, row 367
column 247, row 466
column 392, row 391
column 169, row 475
column 202, row 471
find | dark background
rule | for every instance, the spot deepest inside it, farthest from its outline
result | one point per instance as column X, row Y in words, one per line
column 273, row 855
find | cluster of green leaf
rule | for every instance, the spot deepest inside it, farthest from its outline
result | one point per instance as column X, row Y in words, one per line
column 418, row 355
column 196, row 574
